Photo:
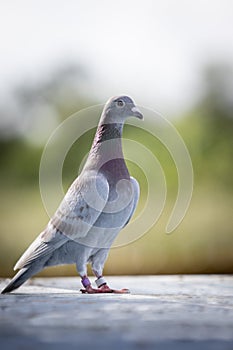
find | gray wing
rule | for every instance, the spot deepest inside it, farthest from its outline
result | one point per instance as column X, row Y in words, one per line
column 136, row 189
column 77, row 213
column 82, row 205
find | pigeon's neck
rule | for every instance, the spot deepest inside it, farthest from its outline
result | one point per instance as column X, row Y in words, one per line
column 106, row 152
column 107, row 133
column 107, row 142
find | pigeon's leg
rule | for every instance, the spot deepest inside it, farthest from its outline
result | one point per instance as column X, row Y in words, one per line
column 87, row 286
column 101, row 284
column 82, row 270
column 104, row 288
column 97, row 268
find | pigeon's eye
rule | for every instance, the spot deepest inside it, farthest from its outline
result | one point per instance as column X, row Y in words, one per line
column 120, row 103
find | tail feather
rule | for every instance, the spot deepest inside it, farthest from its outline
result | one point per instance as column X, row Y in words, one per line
column 22, row 276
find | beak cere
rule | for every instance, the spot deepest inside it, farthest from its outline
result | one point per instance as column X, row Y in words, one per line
column 136, row 113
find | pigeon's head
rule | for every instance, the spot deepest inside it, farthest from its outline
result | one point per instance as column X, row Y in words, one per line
column 119, row 108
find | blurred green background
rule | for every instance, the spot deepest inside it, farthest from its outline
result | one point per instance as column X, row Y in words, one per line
column 35, row 105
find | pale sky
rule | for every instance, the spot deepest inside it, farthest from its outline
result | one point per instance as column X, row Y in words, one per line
column 151, row 50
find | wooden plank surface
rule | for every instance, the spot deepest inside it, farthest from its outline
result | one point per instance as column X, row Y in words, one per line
column 162, row 312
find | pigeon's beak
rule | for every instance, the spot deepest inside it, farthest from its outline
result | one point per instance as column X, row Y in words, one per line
column 136, row 113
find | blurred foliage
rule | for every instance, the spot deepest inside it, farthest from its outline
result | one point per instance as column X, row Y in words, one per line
column 202, row 243
column 208, row 128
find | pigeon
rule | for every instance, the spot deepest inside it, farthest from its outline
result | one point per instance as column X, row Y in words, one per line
column 97, row 206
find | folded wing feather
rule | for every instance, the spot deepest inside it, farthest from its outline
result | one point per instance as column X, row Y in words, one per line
column 77, row 213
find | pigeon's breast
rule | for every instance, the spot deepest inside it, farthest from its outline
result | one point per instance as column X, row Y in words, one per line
column 115, row 170
column 114, row 216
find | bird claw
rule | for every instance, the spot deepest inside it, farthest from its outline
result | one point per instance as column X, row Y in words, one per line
column 121, row 291
column 104, row 289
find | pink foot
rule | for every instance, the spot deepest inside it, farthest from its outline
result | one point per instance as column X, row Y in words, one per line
column 104, row 289
column 90, row 290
